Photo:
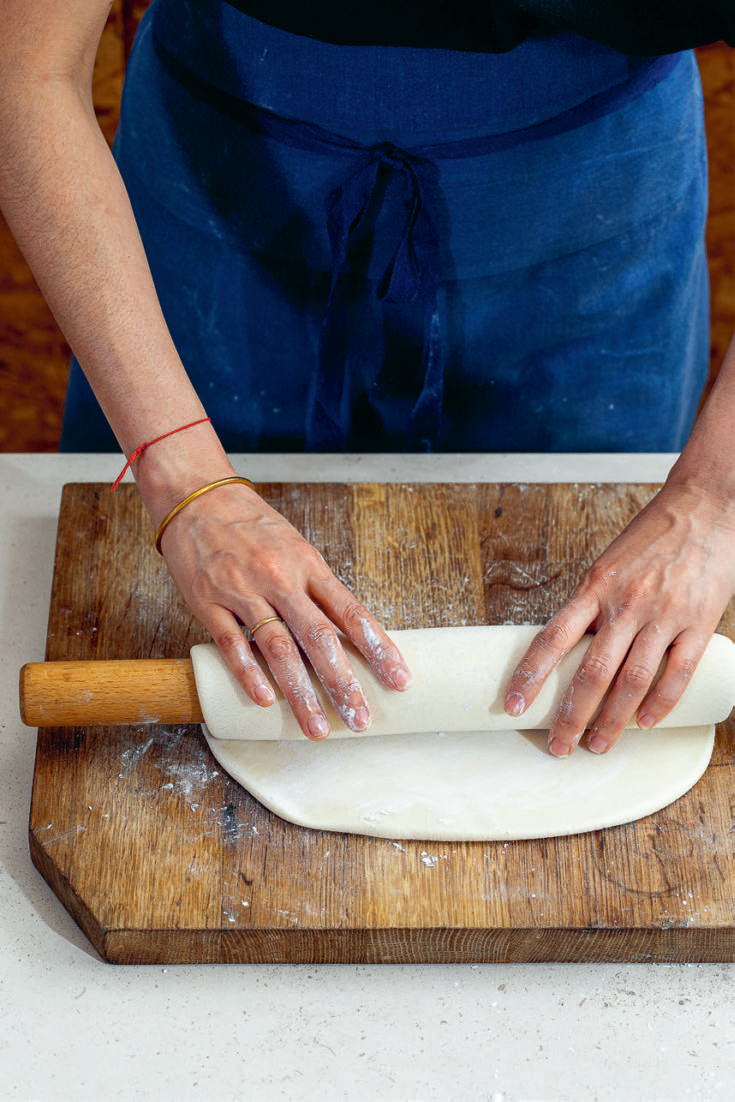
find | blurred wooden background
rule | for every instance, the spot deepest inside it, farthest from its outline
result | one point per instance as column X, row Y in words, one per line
column 34, row 356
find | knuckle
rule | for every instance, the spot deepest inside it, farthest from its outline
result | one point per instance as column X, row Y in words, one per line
column 320, row 564
column 594, row 672
column 637, row 593
column 554, row 637
column 313, row 558
column 353, row 614
column 637, row 677
column 685, row 668
column 345, row 688
column 616, row 613
column 236, row 652
column 596, row 577
column 322, row 637
column 272, row 571
column 230, row 640
column 279, row 647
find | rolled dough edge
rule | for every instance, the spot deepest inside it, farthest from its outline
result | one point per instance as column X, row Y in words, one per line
column 226, row 752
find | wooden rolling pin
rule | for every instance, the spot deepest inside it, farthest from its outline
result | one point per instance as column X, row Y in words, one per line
column 83, row 694
column 469, row 664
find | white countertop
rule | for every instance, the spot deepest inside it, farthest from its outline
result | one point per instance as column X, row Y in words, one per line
column 76, row 1028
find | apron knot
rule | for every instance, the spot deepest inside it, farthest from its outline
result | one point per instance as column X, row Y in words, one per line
column 380, row 227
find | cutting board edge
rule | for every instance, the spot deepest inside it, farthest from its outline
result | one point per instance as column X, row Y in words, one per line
column 62, row 889
column 431, row 945
column 388, row 945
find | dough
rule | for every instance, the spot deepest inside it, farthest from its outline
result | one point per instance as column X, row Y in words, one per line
column 459, row 679
column 450, row 783
column 468, row 785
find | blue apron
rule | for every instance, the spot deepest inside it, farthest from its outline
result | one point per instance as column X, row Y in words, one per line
column 393, row 249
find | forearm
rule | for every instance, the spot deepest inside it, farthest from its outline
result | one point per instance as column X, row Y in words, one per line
column 69, row 212
column 707, row 462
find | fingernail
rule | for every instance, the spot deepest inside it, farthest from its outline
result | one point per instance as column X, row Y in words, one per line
column 514, row 704
column 361, row 719
column 318, row 726
column 646, row 721
column 559, row 749
column 400, row 677
column 264, row 694
column 597, row 744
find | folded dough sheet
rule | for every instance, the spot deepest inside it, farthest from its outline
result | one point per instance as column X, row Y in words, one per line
column 459, row 680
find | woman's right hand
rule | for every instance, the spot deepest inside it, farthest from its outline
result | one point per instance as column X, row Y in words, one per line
column 236, row 561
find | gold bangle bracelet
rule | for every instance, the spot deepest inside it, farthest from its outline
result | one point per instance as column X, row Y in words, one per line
column 192, row 497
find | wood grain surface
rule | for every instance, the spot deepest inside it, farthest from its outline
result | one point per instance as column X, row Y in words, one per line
column 161, row 857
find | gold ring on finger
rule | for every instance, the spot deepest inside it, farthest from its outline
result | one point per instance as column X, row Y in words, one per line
column 250, row 632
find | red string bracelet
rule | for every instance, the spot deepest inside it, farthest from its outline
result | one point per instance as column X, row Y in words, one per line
column 139, row 451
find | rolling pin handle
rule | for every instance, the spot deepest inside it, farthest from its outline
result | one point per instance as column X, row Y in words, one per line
column 93, row 693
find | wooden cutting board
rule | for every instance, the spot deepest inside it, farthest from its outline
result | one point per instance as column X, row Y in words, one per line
column 162, row 858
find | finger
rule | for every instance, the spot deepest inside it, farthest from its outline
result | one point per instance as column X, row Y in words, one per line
column 546, row 651
column 235, row 650
column 684, row 656
column 591, row 681
column 277, row 646
column 319, row 640
column 631, row 685
column 362, row 629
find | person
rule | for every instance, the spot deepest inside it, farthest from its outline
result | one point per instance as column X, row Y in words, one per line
column 388, row 226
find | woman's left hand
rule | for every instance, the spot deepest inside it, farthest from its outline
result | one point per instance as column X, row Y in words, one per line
column 656, row 593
